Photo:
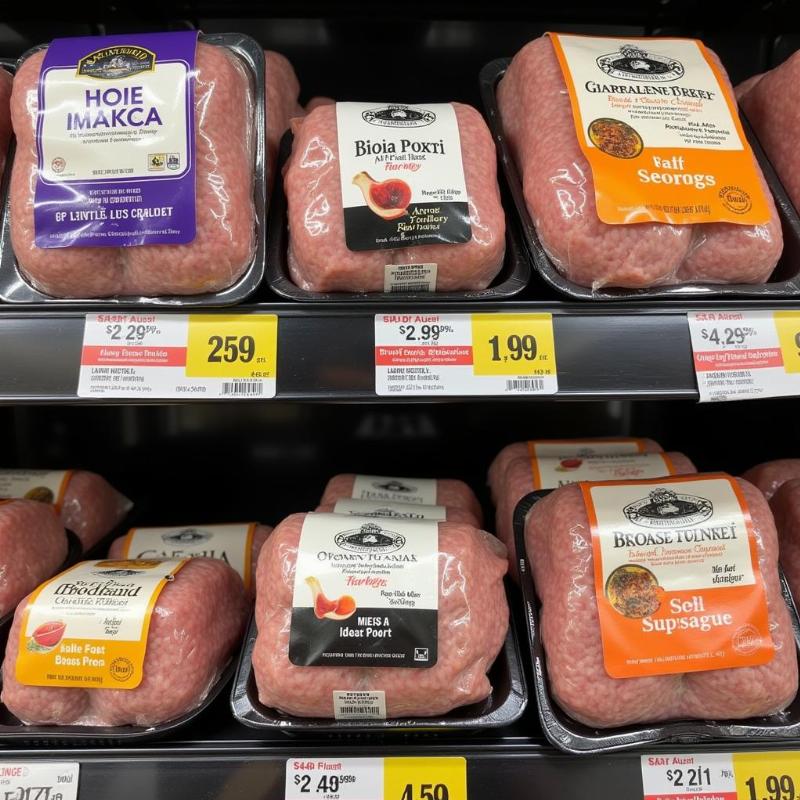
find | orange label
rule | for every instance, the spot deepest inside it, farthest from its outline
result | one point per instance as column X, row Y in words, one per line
column 658, row 123
column 677, row 576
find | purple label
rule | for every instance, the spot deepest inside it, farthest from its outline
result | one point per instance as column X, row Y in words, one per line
column 115, row 141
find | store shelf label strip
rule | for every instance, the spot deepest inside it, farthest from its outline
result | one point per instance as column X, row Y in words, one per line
column 39, row 780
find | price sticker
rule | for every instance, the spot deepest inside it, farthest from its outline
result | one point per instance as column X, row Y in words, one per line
column 767, row 776
column 464, row 354
column 745, row 355
column 28, row 780
column 376, row 779
column 156, row 356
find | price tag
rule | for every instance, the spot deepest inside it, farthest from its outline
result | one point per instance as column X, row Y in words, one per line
column 40, row 780
column 464, row 354
column 744, row 355
column 376, row 779
column 210, row 356
column 767, row 776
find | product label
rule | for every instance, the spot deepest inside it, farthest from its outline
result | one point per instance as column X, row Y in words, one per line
column 657, row 121
column 402, row 175
column 376, row 508
column 115, row 141
column 46, row 486
column 359, row 705
column 365, row 593
column 409, row 278
column 39, row 780
column 232, row 544
column 677, row 576
column 396, row 490
column 87, row 627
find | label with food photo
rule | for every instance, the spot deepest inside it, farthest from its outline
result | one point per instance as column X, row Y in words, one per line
column 365, row 593
column 677, row 576
column 657, row 120
column 46, row 486
column 402, row 175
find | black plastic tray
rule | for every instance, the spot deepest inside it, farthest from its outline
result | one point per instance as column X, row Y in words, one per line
column 503, row 706
column 784, row 281
column 512, row 278
column 574, row 737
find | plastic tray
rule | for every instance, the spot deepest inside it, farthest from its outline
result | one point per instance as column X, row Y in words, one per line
column 14, row 288
column 512, row 278
column 784, row 281
column 573, row 737
column 505, row 704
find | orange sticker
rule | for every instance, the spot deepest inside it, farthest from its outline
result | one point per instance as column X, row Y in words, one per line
column 658, row 123
column 677, row 576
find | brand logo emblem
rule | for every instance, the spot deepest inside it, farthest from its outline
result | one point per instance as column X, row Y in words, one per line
column 188, row 536
column 115, row 573
column 58, row 164
column 113, row 63
column 399, row 116
column 395, row 486
column 173, row 161
column 634, row 63
column 369, row 538
column 663, row 508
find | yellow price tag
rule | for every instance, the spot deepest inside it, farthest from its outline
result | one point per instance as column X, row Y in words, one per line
column 513, row 344
column 767, row 776
column 232, row 346
column 787, row 324
column 425, row 778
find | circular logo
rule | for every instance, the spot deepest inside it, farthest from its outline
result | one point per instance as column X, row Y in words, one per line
column 58, row 164
column 615, row 138
column 370, row 538
column 735, row 199
column 399, row 116
column 121, row 669
column 634, row 63
column 663, row 508
column 746, row 640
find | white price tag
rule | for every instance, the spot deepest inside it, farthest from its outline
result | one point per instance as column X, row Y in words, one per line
column 674, row 776
column 143, row 355
column 334, row 779
column 464, row 354
column 39, row 780
column 745, row 355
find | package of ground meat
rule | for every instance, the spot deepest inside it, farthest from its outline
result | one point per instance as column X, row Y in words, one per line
column 366, row 617
column 393, row 198
column 771, row 475
column 658, row 186
column 416, row 491
column 281, row 104
column 5, row 115
column 660, row 600
column 89, row 505
column 146, row 667
column 163, row 203
column 785, row 505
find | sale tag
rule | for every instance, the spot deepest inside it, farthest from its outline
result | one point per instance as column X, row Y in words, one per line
column 767, row 776
column 745, row 355
column 210, row 356
column 39, row 780
column 377, row 778
column 464, row 354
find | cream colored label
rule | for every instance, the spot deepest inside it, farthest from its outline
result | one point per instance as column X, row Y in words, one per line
column 396, row 490
column 555, row 472
column 232, row 544
column 46, row 486
column 374, row 508
column 88, row 626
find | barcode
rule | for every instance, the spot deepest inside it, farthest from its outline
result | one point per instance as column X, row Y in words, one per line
column 360, row 711
column 525, row 385
column 243, row 387
column 410, row 287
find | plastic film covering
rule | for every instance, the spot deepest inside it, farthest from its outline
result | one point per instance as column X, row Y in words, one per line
column 560, row 196
column 319, row 259
column 771, row 475
column 6, row 82
column 785, row 506
column 472, row 625
column 225, row 243
column 282, row 90
column 196, row 624
column 559, row 547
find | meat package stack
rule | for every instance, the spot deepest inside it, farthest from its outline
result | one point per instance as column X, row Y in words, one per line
column 432, row 592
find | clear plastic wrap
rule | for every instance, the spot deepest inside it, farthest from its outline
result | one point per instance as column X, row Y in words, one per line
column 472, row 624
column 448, row 493
column 560, row 196
column 226, row 225
column 771, row 475
column 785, row 505
column 196, row 624
column 282, row 90
column 6, row 82
column 559, row 547
column 319, row 259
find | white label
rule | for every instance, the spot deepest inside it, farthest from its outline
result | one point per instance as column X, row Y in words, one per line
column 681, row 776
column 334, row 779
column 375, row 508
column 83, row 141
column 229, row 543
column 555, row 472
column 359, row 705
column 39, row 780
column 46, row 486
column 395, row 490
column 409, row 278
column 585, row 448
column 743, row 355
